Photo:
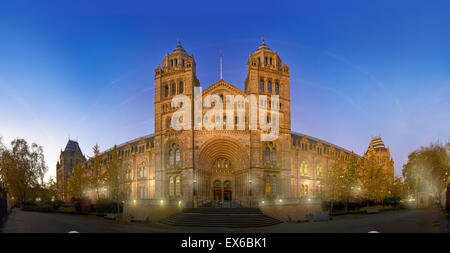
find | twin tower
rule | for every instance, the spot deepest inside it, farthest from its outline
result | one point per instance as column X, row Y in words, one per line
column 192, row 156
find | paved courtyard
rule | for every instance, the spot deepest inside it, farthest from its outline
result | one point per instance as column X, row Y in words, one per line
column 408, row 221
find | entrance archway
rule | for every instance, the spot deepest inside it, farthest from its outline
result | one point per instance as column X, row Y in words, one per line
column 217, row 190
column 221, row 159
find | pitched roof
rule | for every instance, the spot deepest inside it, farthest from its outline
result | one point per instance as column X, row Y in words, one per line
column 377, row 143
column 313, row 140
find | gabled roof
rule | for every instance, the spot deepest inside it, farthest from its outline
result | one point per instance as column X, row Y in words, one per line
column 223, row 85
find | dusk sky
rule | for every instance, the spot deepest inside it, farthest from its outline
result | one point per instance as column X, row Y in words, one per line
column 85, row 69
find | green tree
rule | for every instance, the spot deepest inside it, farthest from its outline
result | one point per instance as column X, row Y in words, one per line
column 373, row 180
column 97, row 177
column 78, row 181
column 399, row 188
column 22, row 168
column 115, row 178
column 428, row 169
column 350, row 179
column 333, row 182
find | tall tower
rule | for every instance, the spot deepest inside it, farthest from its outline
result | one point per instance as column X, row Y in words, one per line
column 382, row 155
column 268, row 75
column 64, row 167
column 177, row 75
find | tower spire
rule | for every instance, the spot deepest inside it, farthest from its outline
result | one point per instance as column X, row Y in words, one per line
column 221, row 65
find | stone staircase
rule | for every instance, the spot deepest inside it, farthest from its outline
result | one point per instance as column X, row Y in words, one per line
column 240, row 217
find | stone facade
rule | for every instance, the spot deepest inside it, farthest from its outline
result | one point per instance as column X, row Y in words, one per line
column 204, row 165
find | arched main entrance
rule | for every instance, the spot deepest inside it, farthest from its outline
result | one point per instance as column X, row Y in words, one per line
column 221, row 165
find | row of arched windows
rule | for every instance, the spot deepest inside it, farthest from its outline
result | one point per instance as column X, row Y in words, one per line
column 173, row 89
column 269, row 87
column 174, row 62
column 141, row 172
column 270, row 153
column 270, row 156
column 174, row 155
column 267, row 61
column 303, row 169
column 304, row 190
column 174, row 186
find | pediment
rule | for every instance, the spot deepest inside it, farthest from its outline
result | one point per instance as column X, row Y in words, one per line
column 222, row 87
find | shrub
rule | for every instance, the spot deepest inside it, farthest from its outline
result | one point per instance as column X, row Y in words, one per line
column 28, row 203
column 57, row 204
column 106, row 206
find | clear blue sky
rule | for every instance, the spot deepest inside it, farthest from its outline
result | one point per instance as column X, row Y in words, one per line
column 358, row 69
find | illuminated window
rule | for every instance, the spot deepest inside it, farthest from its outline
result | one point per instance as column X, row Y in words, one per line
column 274, row 156
column 171, row 157
column 303, row 169
column 177, row 156
column 267, row 155
column 274, row 185
column 177, row 186
column 171, row 187
column 267, row 185
column 319, row 171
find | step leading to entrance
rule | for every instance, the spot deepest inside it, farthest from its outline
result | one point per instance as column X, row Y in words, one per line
column 221, row 217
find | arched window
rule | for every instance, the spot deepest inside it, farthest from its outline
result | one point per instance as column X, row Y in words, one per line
column 277, row 89
column 174, row 88
column 267, row 155
column 166, row 91
column 177, row 156
column 177, row 186
column 274, row 185
column 171, row 157
column 180, row 88
column 306, row 190
column 268, row 185
column 274, row 156
column 319, row 171
column 171, row 186
column 269, row 87
column 303, row 169
column 261, row 86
